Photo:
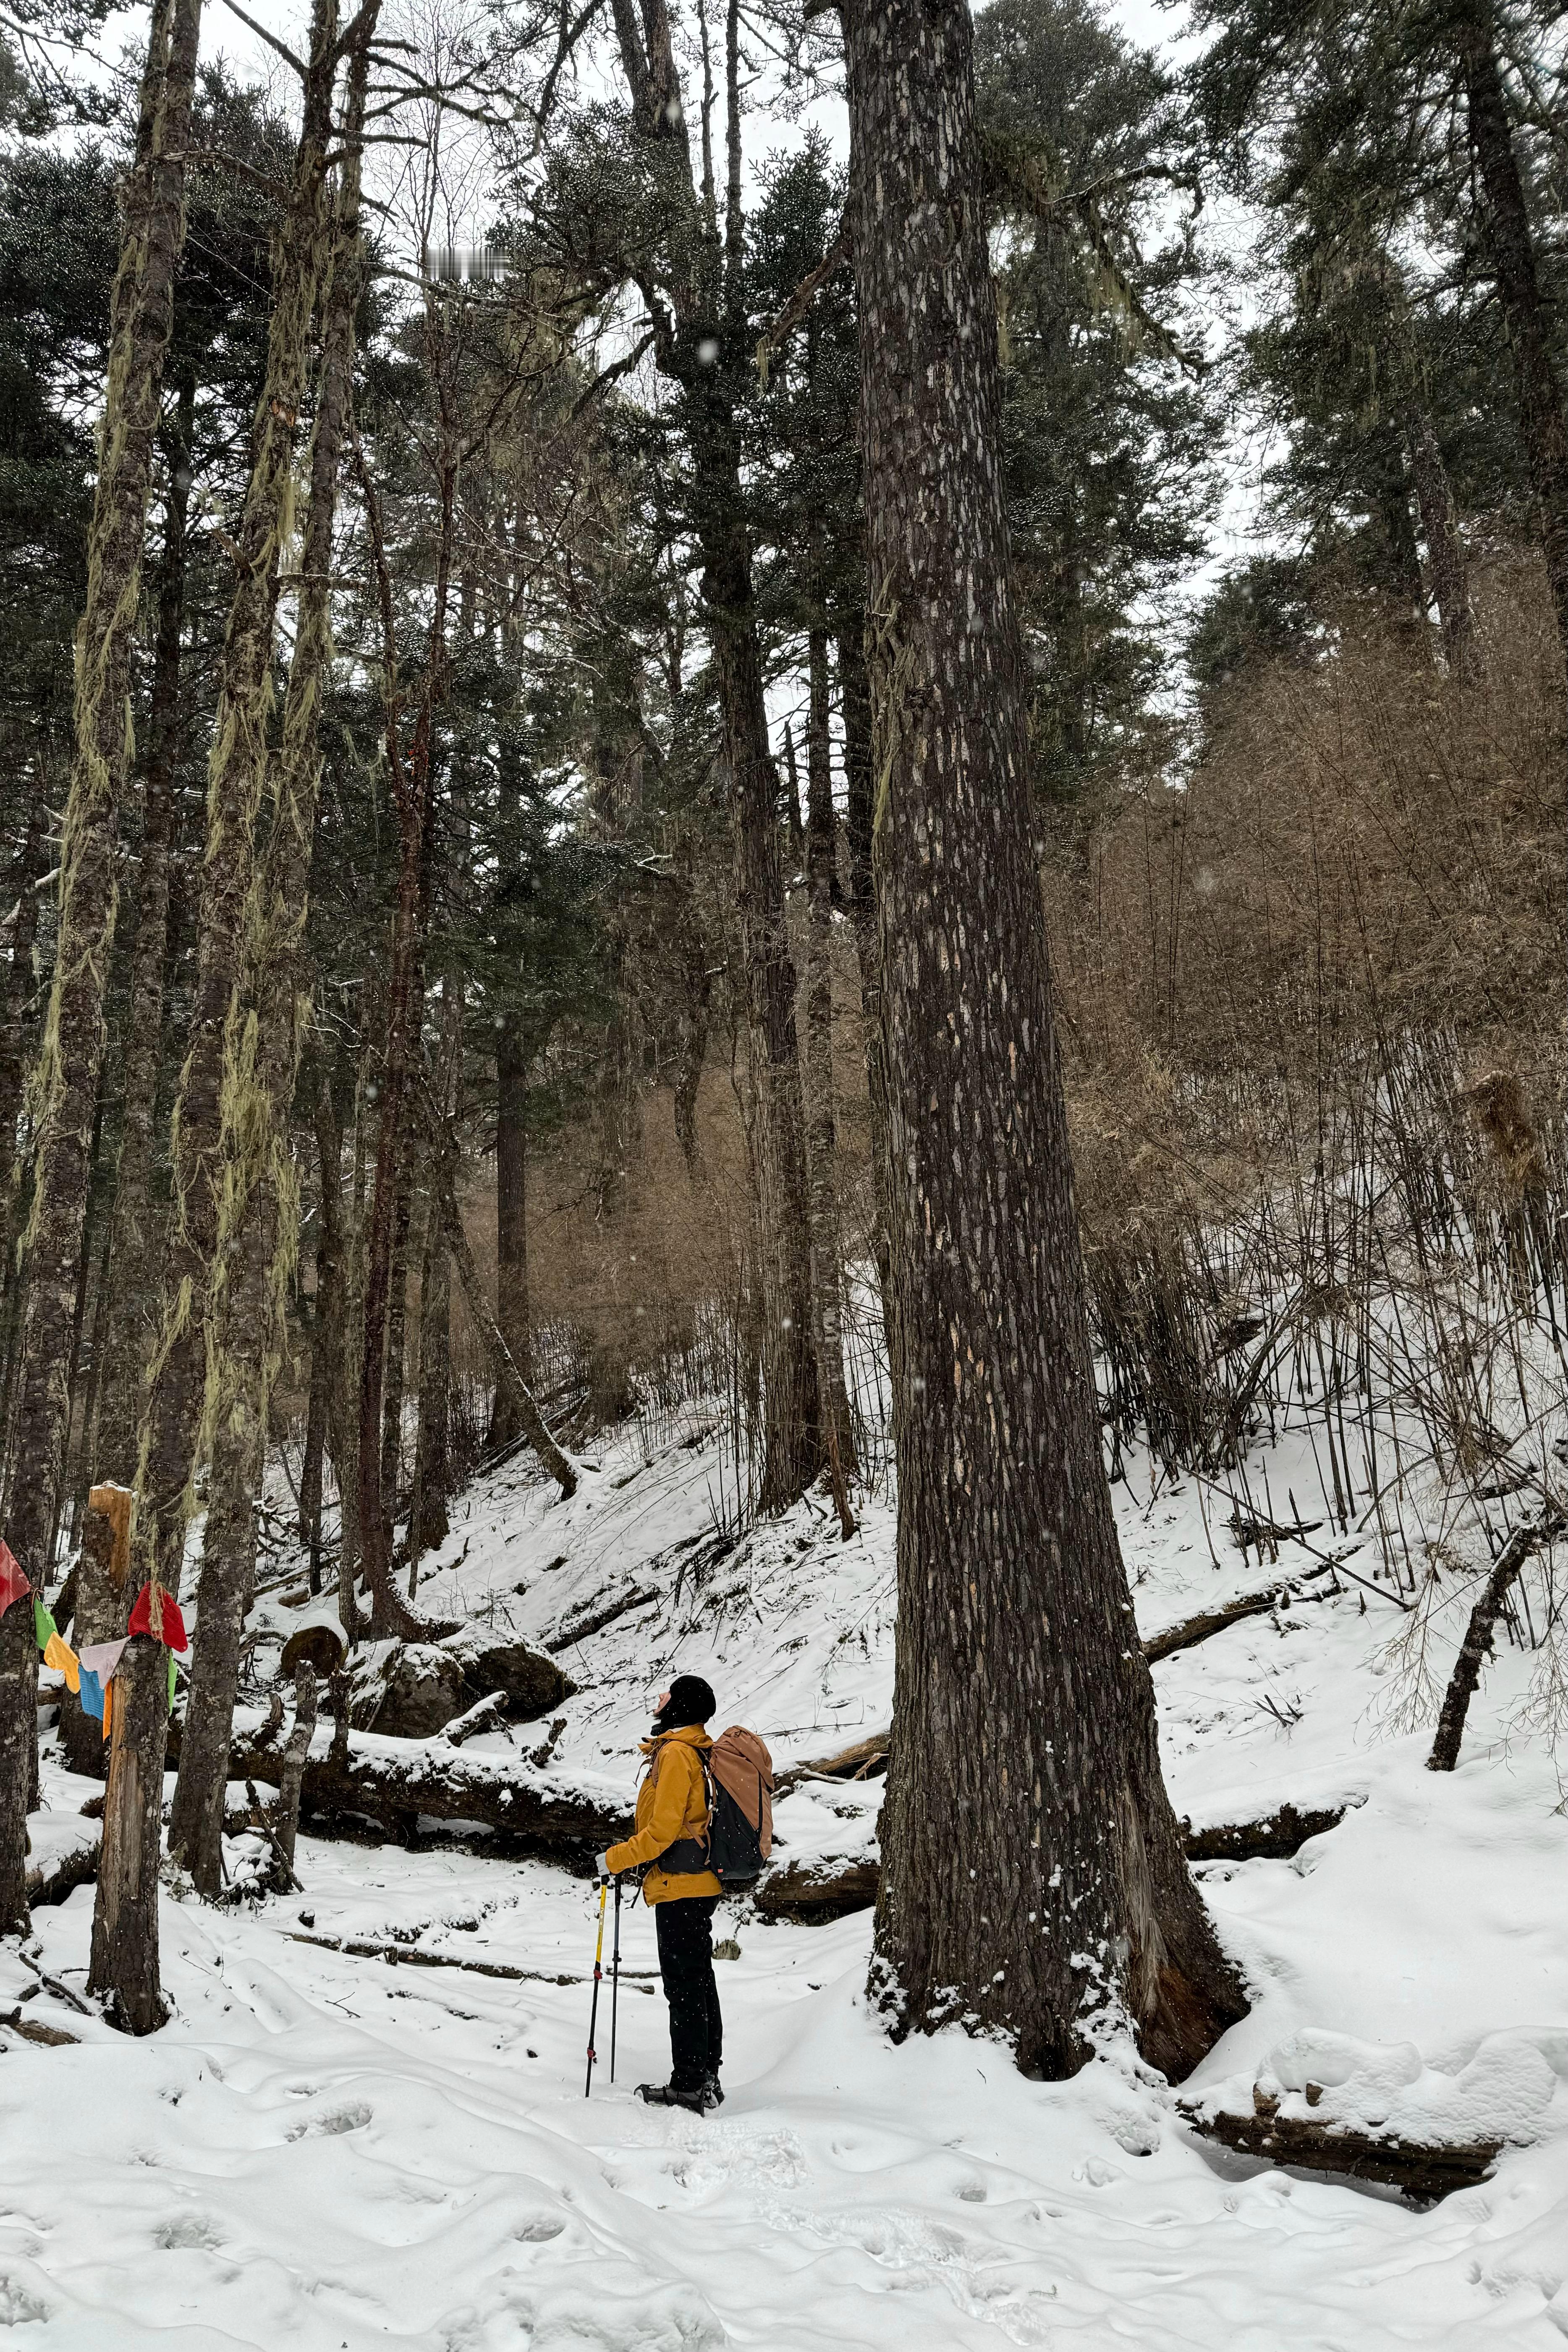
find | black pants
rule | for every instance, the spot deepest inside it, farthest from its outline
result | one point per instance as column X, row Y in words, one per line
column 686, row 1964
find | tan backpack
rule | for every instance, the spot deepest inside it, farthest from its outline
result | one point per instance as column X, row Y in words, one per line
column 740, row 1774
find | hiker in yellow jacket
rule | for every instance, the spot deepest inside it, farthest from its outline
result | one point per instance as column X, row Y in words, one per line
column 670, row 1837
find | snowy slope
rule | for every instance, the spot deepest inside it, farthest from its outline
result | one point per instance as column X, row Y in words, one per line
column 330, row 2152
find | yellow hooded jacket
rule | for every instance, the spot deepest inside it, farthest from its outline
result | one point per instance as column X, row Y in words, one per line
column 671, row 1803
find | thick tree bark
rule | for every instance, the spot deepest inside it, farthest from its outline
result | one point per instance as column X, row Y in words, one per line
column 394, row 1366
column 342, row 1416
column 826, row 1250
column 22, row 892
column 1543, row 423
column 412, row 777
column 511, row 1218
column 427, row 1522
column 124, row 1957
column 141, row 311
column 791, row 798
column 855, row 689
column 312, row 1465
column 258, row 1217
column 690, row 949
column 793, row 1447
column 1445, row 557
column 1034, row 1882
column 176, row 1388
column 133, row 1251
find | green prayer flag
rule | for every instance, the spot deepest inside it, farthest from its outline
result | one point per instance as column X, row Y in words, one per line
column 44, row 1625
column 170, row 1681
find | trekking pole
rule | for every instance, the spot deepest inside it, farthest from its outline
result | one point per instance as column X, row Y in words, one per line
column 614, row 1980
column 598, row 1973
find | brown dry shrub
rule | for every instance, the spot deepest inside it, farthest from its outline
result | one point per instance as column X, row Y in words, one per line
column 1344, row 940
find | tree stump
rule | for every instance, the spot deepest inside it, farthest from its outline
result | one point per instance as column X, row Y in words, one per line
column 124, row 1963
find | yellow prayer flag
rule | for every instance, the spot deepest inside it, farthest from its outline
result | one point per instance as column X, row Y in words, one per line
column 59, row 1654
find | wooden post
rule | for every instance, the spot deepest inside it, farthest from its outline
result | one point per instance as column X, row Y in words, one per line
column 124, row 1963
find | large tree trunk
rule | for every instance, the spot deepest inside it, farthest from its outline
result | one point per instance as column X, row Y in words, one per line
column 511, row 1221
column 688, row 949
column 177, row 1383
column 412, row 776
column 21, row 890
column 1446, row 557
column 1033, row 1882
column 794, row 1450
column 427, row 1521
column 826, row 1251
column 1542, row 421
column 141, row 315
column 132, row 1252
column 394, row 1365
column 855, row 689
column 258, row 1222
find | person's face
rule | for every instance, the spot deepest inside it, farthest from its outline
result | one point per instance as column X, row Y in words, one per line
column 663, row 1702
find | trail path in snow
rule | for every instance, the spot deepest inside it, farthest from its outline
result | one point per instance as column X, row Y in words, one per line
column 333, row 2154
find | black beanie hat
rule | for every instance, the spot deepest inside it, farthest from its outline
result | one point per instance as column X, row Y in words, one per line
column 690, row 1701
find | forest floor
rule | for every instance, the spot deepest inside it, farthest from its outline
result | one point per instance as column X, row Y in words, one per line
column 327, row 2152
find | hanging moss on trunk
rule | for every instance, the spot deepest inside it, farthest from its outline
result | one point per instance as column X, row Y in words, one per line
column 259, row 1211
column 65, row 1083
column 178, row 1378
column 131, row 1288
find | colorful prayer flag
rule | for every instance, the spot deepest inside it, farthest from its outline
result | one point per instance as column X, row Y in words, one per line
column 44, row 1625
column 100, row 1658
column 109, row 1710
column 63, row 1658
column 13, row 1583
column 89, row 1690
column 171, row 1627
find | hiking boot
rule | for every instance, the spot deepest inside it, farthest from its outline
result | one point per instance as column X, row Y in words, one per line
column 665, row 2094
column 714, row 2090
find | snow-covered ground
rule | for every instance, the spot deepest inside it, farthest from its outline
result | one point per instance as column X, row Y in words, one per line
column 327, row 2151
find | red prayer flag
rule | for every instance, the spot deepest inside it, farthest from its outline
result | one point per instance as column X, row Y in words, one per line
column 13, row 1583
column 170, row 1631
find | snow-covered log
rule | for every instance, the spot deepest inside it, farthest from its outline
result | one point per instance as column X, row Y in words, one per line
column 398, row 1782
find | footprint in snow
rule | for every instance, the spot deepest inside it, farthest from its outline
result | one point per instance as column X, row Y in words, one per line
column 335, row 2121
column 188, row 2231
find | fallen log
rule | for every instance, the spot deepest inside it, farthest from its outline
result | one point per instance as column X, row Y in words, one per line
column 856, row 1763
column 58, row 1876
column 1278, row 1837
column 811, row 1895
column 813, row 1892
column 410, row 1956
column 33, row 2029
column 597, row 1621
column 1425, row 2170
column 1210, row 1622
column 395, row 1782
